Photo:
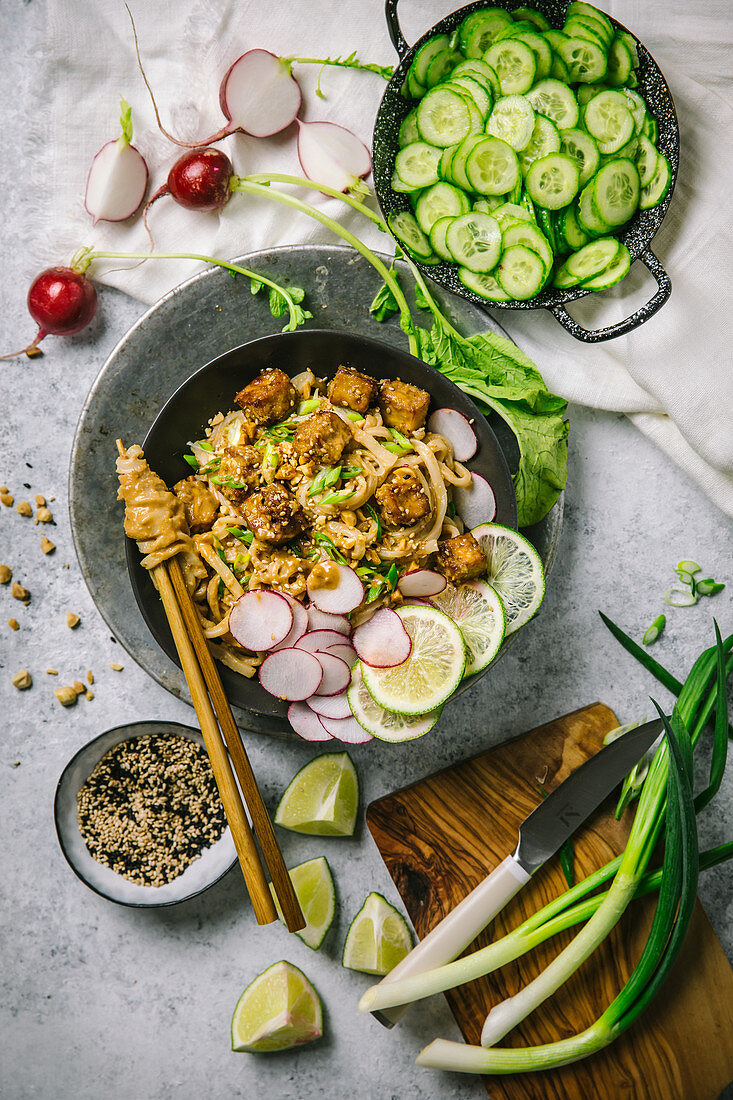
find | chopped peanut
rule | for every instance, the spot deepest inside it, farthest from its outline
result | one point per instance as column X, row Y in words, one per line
column 90, row 676
column 24, row 508
column 72, row 620
column 3, row 489
column 22, row 680
column 43, row 515
column 13, row 624
column 20, row 593
column 5, row 574
column 66, row 696
column 78, row 687
column 88, row 695
column 52, row 672
column 7, row 499
column 116, row 667
column 47, row 546
column 40, row 501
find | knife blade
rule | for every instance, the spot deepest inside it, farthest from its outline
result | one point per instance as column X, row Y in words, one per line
column 541, row 834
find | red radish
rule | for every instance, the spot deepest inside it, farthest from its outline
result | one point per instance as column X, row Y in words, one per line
column 456, row 429
column 476, row 504
column 291, row 674
column 300, row 623
column 346, row 729
column 332, row 155
column 261, row 620
column 259, row 95
column 320, row 620
column 383, row 642
column 306, row 723
column 330, row 706
column 421, row 582
column 198, row 180
column 347, row 593
column 336, row 674
column 118, row 176
column 318, row 641
column 61, row 301
column 345, row 652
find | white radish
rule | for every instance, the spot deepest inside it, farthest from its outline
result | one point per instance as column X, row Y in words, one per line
column 321, row 620
column 291, row 674
column 316, row 641
column 476, row 504
column 300, row 622
column 336, row 674
column 345, row 652
column 118, row 177
column 421, row 583
column 383, row 642
column 306, row 723
column 332, row 155
column 456, row 429
column 259, row 94
column 330, row 706
column 346, row 729
column 345, row 595
column 260, row 620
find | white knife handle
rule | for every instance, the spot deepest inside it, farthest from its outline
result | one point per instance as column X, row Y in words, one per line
column 458, row 928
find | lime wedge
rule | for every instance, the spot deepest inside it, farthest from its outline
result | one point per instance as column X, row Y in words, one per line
column 323, row 798
column 515, row 572
column 278, row 1010
column 381, row 723
column 315, row 891
column 479, row 614
column 378, row 937
column 430, row 674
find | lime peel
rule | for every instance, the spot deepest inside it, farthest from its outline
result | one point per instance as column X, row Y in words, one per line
column 316, row 894
column 514, row 570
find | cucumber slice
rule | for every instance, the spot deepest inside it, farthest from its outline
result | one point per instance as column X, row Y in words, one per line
column 548, row 223
column 589, row 219
column 585, row 60
column 574, row 235
column 545, row 139
column 479, row 29
column 515, row 65
column 417, row 164
column 485, row 285
column 509, row 212
column 492, row 167
column 440, row 201
column 400, row 186
column 512, row 120
column 585, row 10
column 413, row 87
column 459, row 160
column 445, row 164
column 474, row 241
column 521, row 272
column 403, row 225
column 658, row 186
column 555, row 37
column 531, row 237
column 649, row 128
column 630, row 42
column 586, row 92
column 562, row 278
column 408, row 131
column 608, row 119
column 587, row 29
column 531, row 16
column 619, row 63
column 584, row 151
column 555, row 101
column 637, row 106
column 559, row 70
column 437, row 238
column 477, row 91
column 441, row 64
column 553, row 181
column 514, row 29
column 479, row 70
column 593, row 259
column 487, row 205
column 424, row 57
column 541, row 50
column 616, row 191
column 443, row 117
column 613, row 274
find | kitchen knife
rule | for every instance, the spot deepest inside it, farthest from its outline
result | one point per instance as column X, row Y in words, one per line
column 541, row 834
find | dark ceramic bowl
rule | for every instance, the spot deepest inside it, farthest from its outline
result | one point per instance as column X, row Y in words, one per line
column 211, row 390
column 637, row 236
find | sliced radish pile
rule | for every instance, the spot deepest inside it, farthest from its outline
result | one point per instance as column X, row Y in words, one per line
column 321, row 620
column 346, row 729
column 382, row 642
column 306, row 723
column 316, row 641
column 259, row 94
column 300, row 623
column 336, row 674
column 456, row 429
column 261, row 620
column 345, row 596
column 116, row 182
column 330, row 706
column 332, row 155
column 345, row 652
column 291, row 674
column 421, row 583
column 477, row 504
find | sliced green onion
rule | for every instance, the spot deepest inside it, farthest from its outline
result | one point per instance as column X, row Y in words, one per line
column 324, row 541
column 370, row 511
column 709, row 587
column 373, row 591
column 652, row 632
column 666, row 678
column 688, row 567
column 308, row 406
column 192, row 461
column 240, row 533
column 676, row 597
column 204, row 445
column 355, row 416
column 338, row 497
column 270, row 457
column 229, row 482
column 392, row 576
column 350, row 471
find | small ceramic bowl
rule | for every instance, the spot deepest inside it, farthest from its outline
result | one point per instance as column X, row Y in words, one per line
column 212, row 864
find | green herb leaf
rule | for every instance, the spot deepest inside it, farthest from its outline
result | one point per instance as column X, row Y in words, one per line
column 384, row 304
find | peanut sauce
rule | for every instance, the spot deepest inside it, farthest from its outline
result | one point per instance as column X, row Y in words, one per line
column 324, row 575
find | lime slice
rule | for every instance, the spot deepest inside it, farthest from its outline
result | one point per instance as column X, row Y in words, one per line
column 515, row 572
column 430, row 674
column 315, row 891
column 378, row 938
column 278, row 1010
column 479, row 614
column 382, row 723
column 322, row 799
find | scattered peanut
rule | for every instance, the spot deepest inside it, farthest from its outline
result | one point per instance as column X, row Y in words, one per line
column 88, row 695
column 116, row 667
column 20, row 593
column 13, row 624
column 47, row 546
column 90, row 676
column 40, row 500
column 78, row 687
column 52, row 672
column 3, row 489
column 24, row 508
column 43, row 515
column 22, row 680
column 5, row 574
column 72, row 620
column 66, row 696
column 7, row 499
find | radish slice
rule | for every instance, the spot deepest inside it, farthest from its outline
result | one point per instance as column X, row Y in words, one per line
column 336, row 674
column 116, row 182
column 420, row 583
column 330, row 706
column 321, row 620
column 346, row 729
column 476, row 504
column 456, row 429
column 347, row 593
column 332, row 155
column 259, row 94
column 291, row 674
column 383, row 642
column 306, row 723
column 318, row 641
column 345, row 652
column 260, row 620
column 300, row 623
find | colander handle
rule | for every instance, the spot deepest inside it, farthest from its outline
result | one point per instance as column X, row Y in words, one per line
column 395, row 30
column 596, row 336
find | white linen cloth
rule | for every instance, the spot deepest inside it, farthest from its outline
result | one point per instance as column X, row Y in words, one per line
column 673, row 377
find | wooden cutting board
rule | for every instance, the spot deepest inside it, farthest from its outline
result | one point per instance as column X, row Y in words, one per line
column 441, row 836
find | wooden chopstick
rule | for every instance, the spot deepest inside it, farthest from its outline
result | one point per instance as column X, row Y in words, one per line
column 281, row 880
column 249, row 858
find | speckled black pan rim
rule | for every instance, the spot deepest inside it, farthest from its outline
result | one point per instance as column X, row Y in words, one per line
column 394, row 108
column 132, row 729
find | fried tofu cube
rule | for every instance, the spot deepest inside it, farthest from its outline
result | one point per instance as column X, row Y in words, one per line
column 461, row 559
column 268, row 398
column 322, row 436
column 403, row 406
column 402, row 499
column 199, row 504
column 274, row 514
column 350, row 389
column 239, row 473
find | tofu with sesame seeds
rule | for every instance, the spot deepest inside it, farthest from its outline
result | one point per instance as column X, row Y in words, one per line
column 403, row 406
column 350, row 389
column 401, row 498
column 268, row 398
column 461, row 559
column 322, row 437
column 274, row 514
